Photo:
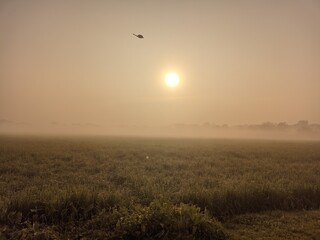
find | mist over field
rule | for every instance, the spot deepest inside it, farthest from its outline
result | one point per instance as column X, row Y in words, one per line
column 159, row 119
column 301, row 130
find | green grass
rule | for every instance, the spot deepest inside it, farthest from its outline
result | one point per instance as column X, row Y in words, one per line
column 276, row 225
column 126, row 188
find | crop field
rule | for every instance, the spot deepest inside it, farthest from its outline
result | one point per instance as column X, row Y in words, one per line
column 144, row 188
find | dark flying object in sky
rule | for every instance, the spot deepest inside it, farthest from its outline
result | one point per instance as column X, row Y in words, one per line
column 138, row 36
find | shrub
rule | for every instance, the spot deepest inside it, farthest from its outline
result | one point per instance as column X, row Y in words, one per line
column 159, row 220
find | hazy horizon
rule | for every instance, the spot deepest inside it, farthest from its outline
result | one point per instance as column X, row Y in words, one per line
column 302, row 130
column 239, row 62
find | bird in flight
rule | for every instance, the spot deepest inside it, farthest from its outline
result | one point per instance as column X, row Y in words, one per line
column 138, row 36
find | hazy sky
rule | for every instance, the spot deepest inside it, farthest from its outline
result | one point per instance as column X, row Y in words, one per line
column 239, row 61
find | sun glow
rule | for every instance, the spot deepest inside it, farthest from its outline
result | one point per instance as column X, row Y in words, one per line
column 172, row 79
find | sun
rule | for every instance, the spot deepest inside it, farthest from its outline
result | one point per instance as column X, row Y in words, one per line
column 172, row 79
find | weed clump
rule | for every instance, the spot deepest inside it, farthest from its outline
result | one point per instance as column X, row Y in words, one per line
column 230, row 202
column 50, row 209
column 159, row 220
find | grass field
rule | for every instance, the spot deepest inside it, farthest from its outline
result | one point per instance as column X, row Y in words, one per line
column 135, row 188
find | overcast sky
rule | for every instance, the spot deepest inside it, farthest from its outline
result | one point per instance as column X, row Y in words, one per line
column 239, row 61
